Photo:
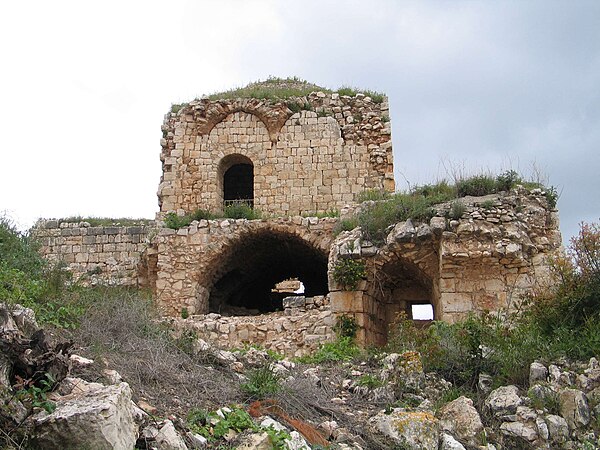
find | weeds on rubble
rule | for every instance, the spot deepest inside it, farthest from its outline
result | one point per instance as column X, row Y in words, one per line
column 372, row 195
column 272, row 354
column 262, row 383
column 275, row 88
column 37, row 397
column 370, row 381
column 241, row 211
column 297, row 107
column 323, row 214
column 380, row 210
column 234, row 211
column 548, row 401
column 215, row 426
column 487, row 205
column 176, row 107
column 123, row 328
column 344, row 348
column 377, row 97
column 107, row 221
column 457, row 209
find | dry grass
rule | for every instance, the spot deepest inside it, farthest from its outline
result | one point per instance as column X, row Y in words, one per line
column 121, row 331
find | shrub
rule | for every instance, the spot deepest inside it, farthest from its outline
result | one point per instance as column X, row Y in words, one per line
column 18, row 250
column 552, row 196
column 370, row 381
column 201, row 214
column 342, row 349
column 241, row 211
column 457, row 209
column 372, row 195
column 262, row 383
column 507, row 180
column 568, row 314
column 176, row 222
column 476, row 186
column 346, row 326
column 348, row 272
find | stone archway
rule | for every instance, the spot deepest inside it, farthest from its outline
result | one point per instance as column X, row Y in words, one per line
column 250, row 267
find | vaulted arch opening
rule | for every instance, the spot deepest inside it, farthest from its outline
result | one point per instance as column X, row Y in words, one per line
column 402, row 289
column 250, row 271
column 236, row 180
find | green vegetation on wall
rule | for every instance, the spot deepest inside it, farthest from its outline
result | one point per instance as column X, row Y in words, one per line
column 384, row 209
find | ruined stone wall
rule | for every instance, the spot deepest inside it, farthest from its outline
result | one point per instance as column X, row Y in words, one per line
column 304, row 162
column 101, row 254
column 191, row 259
column 490, row 258
column 293, row 332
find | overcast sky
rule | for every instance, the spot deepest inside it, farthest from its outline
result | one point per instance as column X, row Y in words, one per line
column 472, row 86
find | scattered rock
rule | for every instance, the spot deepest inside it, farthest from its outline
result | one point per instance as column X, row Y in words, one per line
column 537, row 373
column 412, row 429
column 449, row 443
column 80, row 362
column 98, row 419
column 168, row 438
column 461, row 419
column 503, row 400
column 574, row 408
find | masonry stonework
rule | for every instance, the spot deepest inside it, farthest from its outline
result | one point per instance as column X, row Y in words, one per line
column 305, row 162
column 113, row 255
column 489, row 259
column 294, row 160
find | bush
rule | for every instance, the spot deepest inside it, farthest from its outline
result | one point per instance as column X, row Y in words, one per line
column 241, row 211
column 376, row 218
column 569, row 314
column 457, row 209
column 262, row 383
column 176, row 222
column 348, row 272
column 346, row 326
column 342, row 349
column 18, row 251
column 372, row 195
column 476, row 186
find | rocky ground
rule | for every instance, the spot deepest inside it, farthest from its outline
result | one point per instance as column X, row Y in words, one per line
column 54, row 398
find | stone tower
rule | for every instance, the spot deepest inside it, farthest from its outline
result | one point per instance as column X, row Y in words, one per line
column 285, row 157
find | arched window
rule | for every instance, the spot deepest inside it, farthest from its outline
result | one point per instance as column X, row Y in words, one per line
column 237, row 178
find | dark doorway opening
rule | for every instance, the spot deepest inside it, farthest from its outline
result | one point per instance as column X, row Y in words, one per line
column 238, row 184
column 249, row 271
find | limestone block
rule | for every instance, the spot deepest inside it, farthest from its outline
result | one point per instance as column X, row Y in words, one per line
column 461, row 419
column 99, row 418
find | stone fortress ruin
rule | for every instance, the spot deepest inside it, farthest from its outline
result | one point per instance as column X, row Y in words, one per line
column 297, row 160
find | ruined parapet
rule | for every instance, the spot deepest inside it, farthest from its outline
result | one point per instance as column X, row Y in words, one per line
column 291, row 157
column 108, row 254
column 475, row 254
